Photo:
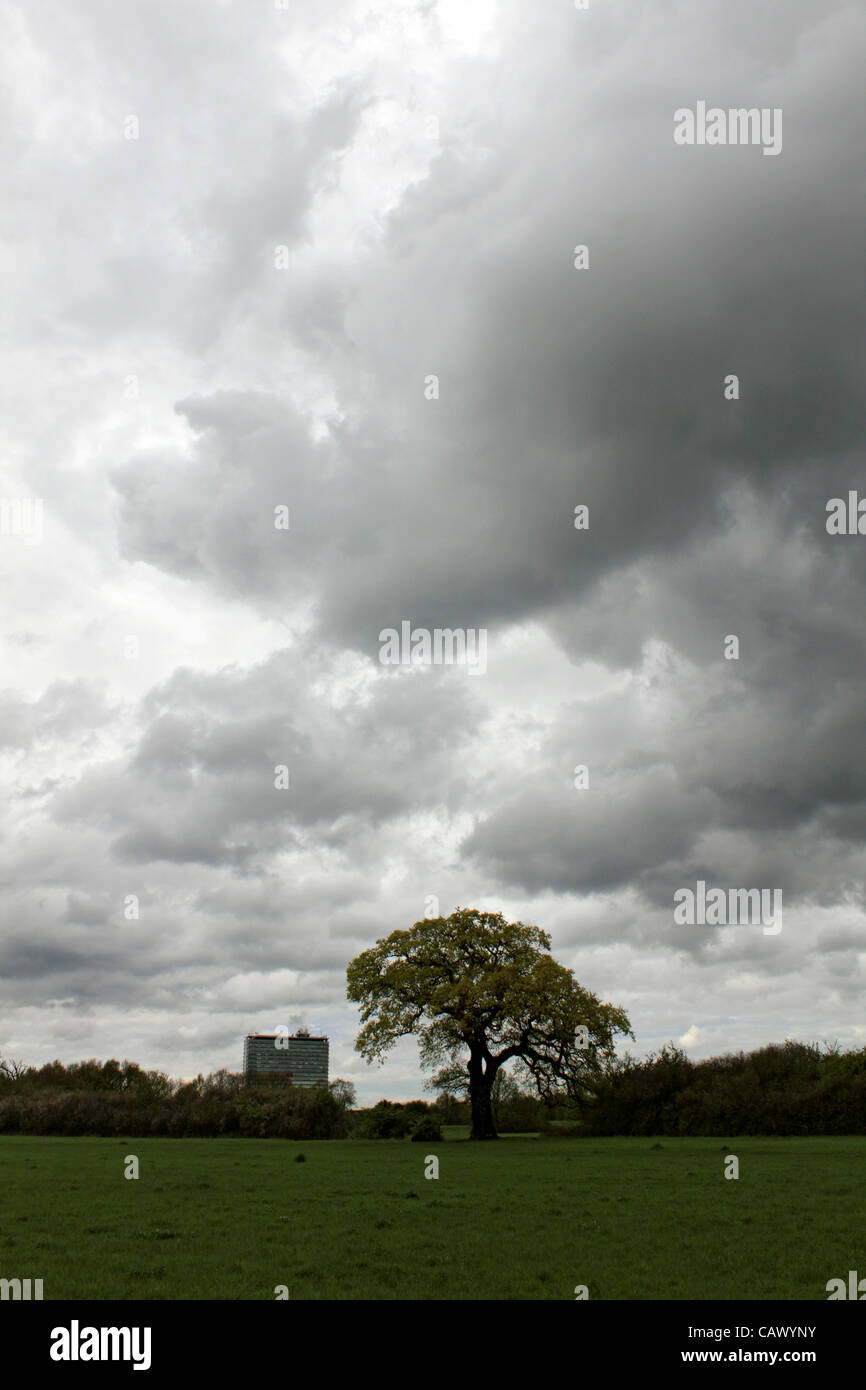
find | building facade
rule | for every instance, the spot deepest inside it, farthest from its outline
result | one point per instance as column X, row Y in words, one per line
column 297, row 1055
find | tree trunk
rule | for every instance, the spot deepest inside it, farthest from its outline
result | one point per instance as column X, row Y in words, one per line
column 480, row 1087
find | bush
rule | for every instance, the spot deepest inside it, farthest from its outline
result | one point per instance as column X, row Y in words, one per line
column 520, row 1114
column 426, row 1130
column 385, row 1121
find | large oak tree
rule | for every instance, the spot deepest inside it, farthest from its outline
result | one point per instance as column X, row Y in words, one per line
column 480, row 991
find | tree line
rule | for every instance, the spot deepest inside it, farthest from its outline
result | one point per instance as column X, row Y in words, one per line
column 113, row 1098
column 784, row 1088
column 121, row 1099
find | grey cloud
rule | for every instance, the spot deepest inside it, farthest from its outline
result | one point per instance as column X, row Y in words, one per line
column 200, row 785
column 557, row 387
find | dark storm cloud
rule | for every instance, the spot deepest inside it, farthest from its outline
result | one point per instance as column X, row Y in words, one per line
column 703, row 777
column 558, row 386
column 24, row 961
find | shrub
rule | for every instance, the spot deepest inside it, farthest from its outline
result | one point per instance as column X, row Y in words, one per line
column 385, row 1121
column 426, row 1130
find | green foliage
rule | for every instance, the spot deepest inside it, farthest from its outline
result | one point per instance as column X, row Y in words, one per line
column 449, row 976
column 451, row 1111
column 386, row 1120
column 786, row 1088
column 127, row 1101
column 112, row 1076
column 835, row 1063
column 425, row 1130
column 520, row 1113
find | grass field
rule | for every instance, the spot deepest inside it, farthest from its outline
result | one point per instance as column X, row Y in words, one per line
column 525, row 1218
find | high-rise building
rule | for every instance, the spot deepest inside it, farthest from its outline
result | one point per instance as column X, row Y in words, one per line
column 302, row 1057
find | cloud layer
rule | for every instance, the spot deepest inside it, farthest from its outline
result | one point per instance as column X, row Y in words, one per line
column 242, row 245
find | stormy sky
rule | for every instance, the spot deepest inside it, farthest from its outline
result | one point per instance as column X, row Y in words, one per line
column 238, row 243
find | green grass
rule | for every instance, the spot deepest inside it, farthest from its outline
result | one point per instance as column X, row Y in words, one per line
column 525, row 1218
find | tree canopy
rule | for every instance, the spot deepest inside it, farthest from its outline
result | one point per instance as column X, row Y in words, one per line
column 475, row 984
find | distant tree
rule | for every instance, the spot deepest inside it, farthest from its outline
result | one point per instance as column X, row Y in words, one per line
column 449, row 1108
column 223, row 1082
column 344, row 1092
column 113, row 1075
column 12, row 1068
column 474, row 983
column 504, row 1090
